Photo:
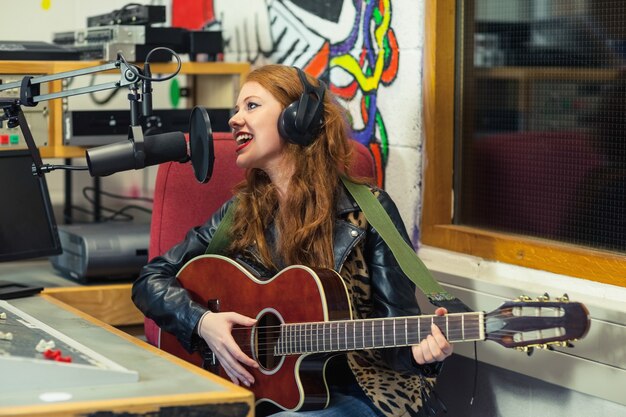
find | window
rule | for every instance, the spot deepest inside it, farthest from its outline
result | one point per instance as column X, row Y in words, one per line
column 525, row 109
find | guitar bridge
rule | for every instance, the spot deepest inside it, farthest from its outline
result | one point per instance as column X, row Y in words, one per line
column 213, row 304
column 209, row 360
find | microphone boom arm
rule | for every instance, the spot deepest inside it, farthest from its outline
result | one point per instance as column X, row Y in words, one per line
column 30, row 86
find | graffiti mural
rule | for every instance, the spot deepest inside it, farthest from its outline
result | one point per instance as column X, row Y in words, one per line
column 349, row 43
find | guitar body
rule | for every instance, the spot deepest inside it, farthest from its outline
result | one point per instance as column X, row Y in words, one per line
column 297, row 294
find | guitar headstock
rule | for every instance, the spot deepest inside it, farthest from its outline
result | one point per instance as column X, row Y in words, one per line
column 527, row 323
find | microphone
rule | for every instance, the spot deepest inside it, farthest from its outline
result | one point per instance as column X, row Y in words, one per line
column 157, row 149
column 123, row 156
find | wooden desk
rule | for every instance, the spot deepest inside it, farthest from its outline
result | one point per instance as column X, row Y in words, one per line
column 110, row 303
column 166, row 386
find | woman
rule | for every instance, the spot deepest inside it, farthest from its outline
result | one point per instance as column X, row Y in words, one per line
column 292, row 209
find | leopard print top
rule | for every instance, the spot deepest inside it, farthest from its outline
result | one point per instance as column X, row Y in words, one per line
column 395, row 394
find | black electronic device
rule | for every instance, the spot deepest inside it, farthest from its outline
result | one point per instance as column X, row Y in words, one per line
column 102, row 251
column 207, row 43
column 27, row 226
column 134, row 14
column 102, row 127
column 9, row 290
column 36, row 51
column 300, row 121
column 108, row 51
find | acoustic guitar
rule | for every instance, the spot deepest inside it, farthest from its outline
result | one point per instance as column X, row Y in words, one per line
column 304, row 317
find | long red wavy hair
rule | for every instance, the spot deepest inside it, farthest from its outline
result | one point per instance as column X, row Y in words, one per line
column 304, row 221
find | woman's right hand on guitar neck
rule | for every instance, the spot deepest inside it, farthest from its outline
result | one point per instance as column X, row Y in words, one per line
column 215, row 329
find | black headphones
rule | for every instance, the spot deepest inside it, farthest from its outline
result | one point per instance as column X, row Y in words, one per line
column 300, row 122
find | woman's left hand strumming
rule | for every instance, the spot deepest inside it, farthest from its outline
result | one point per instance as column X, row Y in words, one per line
column 435, row 347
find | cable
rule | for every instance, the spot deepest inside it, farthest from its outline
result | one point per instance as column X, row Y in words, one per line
column 45, row 168
column 119, row 212
column 134, row 70
column 105, row 100
column 112, row 195
column 118, row 13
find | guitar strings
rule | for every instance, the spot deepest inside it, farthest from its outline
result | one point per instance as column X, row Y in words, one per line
column 341, row 345
column 295, row 341
column 300, row 342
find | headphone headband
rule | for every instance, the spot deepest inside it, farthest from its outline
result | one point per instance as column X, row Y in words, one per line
column 301, row 120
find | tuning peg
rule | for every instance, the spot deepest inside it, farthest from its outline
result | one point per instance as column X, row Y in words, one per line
column 564, row 298
column 544, row 297
column 527, row 349
column 530, row 351
column 524, row 297
column 569, row 345
column 549, row 347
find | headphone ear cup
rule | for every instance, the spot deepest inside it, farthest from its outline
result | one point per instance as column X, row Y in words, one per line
column 287, row 126
column 300, row 121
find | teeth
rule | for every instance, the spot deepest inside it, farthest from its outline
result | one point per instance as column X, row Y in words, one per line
column 243, row 138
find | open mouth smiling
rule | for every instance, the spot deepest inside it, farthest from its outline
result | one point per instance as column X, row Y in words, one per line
column 243, row 140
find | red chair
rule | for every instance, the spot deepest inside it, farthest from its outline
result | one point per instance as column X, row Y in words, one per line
column 180, row 202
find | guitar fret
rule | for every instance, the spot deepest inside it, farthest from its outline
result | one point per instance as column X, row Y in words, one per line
column 419, row 330
column 306, row 343
column 282, row 339
column 301, row 340
column 394, row 333
column 373, row 342
column 463, row 327
column 346, row 335
column 315, row 341
column 363, row 331
column 383, row 332
column 406, row 331
column 447, row 331
column 317, row 337
column 284, row 331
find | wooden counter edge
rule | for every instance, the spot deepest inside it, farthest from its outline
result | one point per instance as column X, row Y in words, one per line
column 111, row 303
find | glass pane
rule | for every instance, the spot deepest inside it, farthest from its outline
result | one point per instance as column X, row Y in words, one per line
column 541, row 119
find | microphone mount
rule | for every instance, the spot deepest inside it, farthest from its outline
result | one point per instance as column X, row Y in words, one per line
column 30, row 95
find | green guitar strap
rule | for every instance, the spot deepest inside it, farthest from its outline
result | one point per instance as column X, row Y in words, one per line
column 405, row 255
column 409, row 262
column 221, row 238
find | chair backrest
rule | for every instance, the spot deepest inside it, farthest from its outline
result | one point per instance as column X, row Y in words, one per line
column 180, row 202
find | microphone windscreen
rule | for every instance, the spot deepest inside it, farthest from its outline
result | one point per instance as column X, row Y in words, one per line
column 201, row 144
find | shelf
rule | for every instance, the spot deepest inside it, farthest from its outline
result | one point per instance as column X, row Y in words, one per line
column 211, row 87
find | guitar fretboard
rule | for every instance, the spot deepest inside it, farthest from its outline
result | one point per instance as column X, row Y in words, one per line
column 348, row 335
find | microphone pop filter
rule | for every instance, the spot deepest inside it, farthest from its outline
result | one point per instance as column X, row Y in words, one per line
column 201, row 144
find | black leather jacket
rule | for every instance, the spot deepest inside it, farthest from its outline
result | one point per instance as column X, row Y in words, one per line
column 159, row 296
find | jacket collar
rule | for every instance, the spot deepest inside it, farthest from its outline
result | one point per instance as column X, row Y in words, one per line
column 345, row 203
column 346, row 235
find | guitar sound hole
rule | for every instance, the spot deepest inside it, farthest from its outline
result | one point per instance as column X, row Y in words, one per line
column 266, row 335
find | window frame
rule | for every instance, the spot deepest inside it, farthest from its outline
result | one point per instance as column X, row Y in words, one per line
column 437, row 229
